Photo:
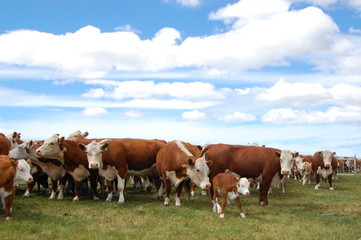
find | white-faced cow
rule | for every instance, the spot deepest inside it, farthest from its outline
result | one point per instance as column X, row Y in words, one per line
column 250, row 162
column 176, row 162
column 230, row 187
column 75, row 161
column 324, row 163
column 116, row 158
column 11, row 173
column 52, row 167
column 77, row 135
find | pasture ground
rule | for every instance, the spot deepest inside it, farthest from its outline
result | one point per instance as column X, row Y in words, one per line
column 301, row 213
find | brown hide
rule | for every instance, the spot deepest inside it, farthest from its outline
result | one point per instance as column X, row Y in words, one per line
column 5, row 144
column 7, row 175
column 317, row 161
column 225, row 182
column 246, row 161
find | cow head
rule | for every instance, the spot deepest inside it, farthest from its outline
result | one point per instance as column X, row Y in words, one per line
column 94, row 153
column 24, row 151
column 77, row 135
column 327, row 157
column 52, row 148
column 243, row 185
column 22, row 175
column 286, row 160
column 198, row 172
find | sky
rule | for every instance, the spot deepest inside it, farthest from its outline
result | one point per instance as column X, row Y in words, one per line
column 280, row 73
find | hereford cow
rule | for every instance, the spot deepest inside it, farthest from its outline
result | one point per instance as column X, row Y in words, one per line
column 116, row 158
column 77, row 135
column 52, row 167
column 229, row 186
column 304, row 165
column 176, row 162
column 11, row 173
column 250, row 162
column 324, row 163
column 75, row 161
column 14, row 139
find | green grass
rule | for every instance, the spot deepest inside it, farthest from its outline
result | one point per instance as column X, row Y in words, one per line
column 301, row 213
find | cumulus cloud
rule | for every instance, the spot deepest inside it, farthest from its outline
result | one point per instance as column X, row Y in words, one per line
column 94, row 111
column 237, row 117
column 194, row 115
column 332, row 115
column 257, row 37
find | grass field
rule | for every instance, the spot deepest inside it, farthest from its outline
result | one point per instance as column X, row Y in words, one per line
column 301, row 213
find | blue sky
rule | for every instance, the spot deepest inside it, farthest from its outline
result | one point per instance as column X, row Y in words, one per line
column 284, row 73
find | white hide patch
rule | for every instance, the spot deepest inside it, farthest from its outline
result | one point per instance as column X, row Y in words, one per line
column 109, row 174
column 3, row 193
column 171, row 175
column 184, row 149
column 80, row 173
column 323, row 172
column 232, row 195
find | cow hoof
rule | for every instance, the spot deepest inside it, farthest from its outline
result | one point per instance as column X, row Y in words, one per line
column 8, row 218
column 332, row 189
column 221, row 215
column 108, row 200
column 95, row 199
column 242, row 215
column 75, row 199
column 263, row 204
column 120, row 202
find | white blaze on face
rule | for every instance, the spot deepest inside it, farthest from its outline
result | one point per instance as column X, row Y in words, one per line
column 286, row 158
column 94, row 153
column 327, row 158
column 23, row 151
column 22, row 175
column 199, row 173
column 77, row 135
column 50, row 147
column 300, row 163
column 243, row 186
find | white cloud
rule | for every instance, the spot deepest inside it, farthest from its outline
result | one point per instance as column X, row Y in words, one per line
column 94, row 111
column 127, row 28
column 194, row 115
column 133, row 114
column 186, row 3
column 332, row 115
column 237, row 117
column 354, row 30
column 94, row 93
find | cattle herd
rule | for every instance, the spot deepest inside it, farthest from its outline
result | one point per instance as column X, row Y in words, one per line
column 224, row 170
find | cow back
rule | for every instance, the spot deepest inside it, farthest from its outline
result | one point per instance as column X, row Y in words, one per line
column 5, row 144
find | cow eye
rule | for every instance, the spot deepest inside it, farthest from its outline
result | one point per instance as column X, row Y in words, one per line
column 197, row 170
column 51, row 143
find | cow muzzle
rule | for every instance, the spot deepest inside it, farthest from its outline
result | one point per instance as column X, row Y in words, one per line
column 327, row 165
column 29, row 180
column 94, row 165
column 285, row 172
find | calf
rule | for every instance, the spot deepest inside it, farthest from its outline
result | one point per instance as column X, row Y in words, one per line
column 11, row 173
column 178, row 161
column 229, row 186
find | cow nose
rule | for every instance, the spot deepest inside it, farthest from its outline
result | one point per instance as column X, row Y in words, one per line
column 327, row 165
column 30, row 180
column 285, row 172
column 208, row 186
column 94, row 165
column 247, row 193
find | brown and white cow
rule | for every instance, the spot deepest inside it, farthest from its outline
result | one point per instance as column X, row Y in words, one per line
column 77, row 135
column 117, row 158
column 14, row 139
column 11, row 173
column 250, row 162
column 230, row 187
column 52, row 167
column 5, row 144
column 176, row 162
column 75, row 161
column 324, row 163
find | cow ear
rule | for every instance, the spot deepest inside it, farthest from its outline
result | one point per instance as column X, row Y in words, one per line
column 320, row 152
column 82, row 147
column 334, row 153
column 278, row 154
column 295, row 154
column 251, row 180
column 14, row 163
column 104, row 147
column 190, row 162
column 60, row 141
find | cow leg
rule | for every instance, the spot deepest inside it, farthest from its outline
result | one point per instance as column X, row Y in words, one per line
column 121, row 186
column 54, row 186
column 330, row 181
column 216, row 206
column 78, row 188
column 29, row 188
column 168, row 188
column 224, row 203
column 93, row 183
column 178, row 194
column 159, row 187
column 62, row 183
column 241, row 213
column 263, row 191
column 110, row 190
column 8, row 205
column 318, row 185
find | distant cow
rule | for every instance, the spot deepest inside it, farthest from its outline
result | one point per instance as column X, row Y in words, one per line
column 116, row 158
column 176, row 162
column 5, row 144
column 14, row 139
column 77, row 135
column 304, row 165
column 250, row 162
column 229, row 186
column 324, row 163
column 11, row 173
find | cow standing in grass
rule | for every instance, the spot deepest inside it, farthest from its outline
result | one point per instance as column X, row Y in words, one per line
column 250, row 162
column 324, row 163
column 178, row 161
